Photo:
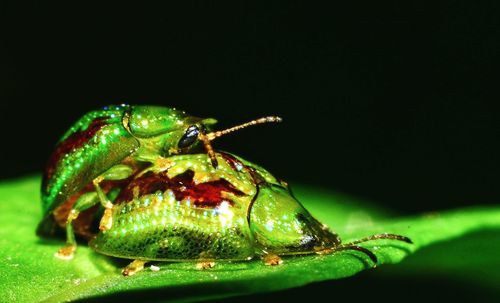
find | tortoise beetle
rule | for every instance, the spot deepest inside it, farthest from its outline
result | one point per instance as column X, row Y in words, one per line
column 163, row 201
column 194, row 212
column 103, row 150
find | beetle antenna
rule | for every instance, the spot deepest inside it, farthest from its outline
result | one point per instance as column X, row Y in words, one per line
column 352, row 245
column 206, row 138
column 209, row 149
column 357, row 248
column 382, row 236
column 211, row 136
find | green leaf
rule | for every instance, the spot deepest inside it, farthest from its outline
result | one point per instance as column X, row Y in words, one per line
column 29, row 272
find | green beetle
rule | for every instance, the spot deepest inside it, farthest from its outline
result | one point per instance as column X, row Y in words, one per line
column 103, row 150
column 195, row 212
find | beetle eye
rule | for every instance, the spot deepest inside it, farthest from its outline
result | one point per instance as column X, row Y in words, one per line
column 189, row 137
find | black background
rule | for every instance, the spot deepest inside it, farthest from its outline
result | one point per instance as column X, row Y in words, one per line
column 392, row 102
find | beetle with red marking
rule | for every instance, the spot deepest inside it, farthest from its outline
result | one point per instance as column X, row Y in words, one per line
column 102, row 152
column 195, row 212
column 166, row 195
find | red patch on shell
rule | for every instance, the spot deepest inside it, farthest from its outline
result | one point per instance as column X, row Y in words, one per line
column 74, row 141
column 208, row 194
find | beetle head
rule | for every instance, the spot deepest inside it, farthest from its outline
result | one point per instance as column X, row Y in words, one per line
column 175, row 132
column 165, row 130
column 198, row 132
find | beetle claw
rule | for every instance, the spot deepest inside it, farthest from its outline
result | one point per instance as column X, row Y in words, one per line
column 272, row 260
column 66, row 253
column 107, row 219
column 205, row 265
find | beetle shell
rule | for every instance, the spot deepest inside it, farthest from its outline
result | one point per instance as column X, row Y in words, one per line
column 77, row 160
column 95, row 143
column 137, row 170
column 193, row 211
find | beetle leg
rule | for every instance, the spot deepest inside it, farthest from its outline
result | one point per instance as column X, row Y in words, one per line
column 272, row 260
column 86, row 201
column 66, row 252
column 117, row 172
column 134, row 267
column 107, row 219
column 352, row 245
column 159, row 164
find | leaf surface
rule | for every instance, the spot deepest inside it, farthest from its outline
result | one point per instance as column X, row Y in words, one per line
column 30, row 273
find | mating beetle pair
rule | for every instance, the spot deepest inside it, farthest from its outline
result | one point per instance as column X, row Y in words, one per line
column 144, row 183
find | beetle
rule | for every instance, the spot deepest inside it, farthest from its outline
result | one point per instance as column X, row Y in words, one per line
column 195, row 212
column 103, row 150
